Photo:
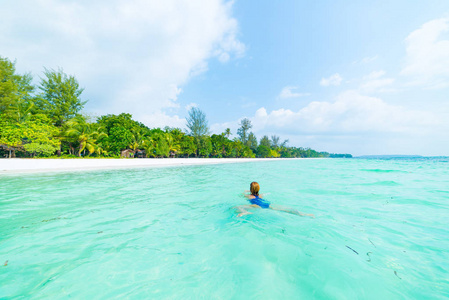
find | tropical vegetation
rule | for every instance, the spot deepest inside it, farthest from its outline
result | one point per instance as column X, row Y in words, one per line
column 48, row 121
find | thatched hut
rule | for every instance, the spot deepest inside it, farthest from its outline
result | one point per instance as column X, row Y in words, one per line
column 128, row 153
column 140, row 154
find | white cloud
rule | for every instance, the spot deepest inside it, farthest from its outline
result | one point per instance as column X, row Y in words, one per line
column 224, row 57
column 377, row 85
column 354, row 123
column 129, row 55
column 218, row 128
column 161, row 119
column 427, row 58
column 287, row 92
column 333, row 80
column 374, row 82
column 351, row 113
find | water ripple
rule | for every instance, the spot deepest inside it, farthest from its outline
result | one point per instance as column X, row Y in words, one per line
column 173, row 233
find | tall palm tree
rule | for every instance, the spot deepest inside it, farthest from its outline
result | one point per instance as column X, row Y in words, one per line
column 227, row 132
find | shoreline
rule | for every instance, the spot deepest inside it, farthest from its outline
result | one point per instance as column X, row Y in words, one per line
column 30, row 165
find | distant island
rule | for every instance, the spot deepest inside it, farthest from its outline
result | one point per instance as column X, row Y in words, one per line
column 48, row 122
column 386, row 156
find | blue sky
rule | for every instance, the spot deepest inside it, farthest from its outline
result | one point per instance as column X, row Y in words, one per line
column 340, row 76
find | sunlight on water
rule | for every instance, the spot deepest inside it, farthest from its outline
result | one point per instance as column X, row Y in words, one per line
column 380, row 232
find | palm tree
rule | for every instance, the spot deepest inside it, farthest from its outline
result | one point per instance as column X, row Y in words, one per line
column 22, row 110
column 84, row 133
column 173, row 146
column 227, row 132
column 137, row 141
column 149, row 145
column 67, row 131
column 157, row 145
column 100, row 151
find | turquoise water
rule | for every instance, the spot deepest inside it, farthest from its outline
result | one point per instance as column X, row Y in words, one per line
column 380, row 232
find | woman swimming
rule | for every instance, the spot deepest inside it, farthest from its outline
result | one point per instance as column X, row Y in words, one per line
column 257, row 201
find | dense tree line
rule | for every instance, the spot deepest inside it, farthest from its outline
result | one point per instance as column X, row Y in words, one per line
column 47, row 121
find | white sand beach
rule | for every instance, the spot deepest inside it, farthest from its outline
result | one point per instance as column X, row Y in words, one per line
column 21, row 165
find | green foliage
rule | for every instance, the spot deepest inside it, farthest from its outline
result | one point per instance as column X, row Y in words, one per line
column 84, row 134
column 275, row 141
column 40, row 149
column 137, row 141
column 243, row 131
column 285, row 152
column 188, row 146
column 124, row 120
column 157, row 145
column 119, row 138
column 15, row 90
column 238, row 149
column 50, row 122
column 265, row 141
column 122, row 133
column 11, row 133
column 21, row 110
column 252, row 141
column 174, row 139
column 219, row 144
column 40, row 136
column 162, row 148
column 274, row 153
column 35, row 136
column 198, row 127
column 60, row 97
column 227, row 132
column 204, row 146
column 197, row 123
column 263, row 151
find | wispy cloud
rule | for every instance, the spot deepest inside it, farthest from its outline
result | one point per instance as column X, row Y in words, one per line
column 366, row 60
column 369, row 59
column 334, row 80
column 378, row 85
column 375, row 82
column 288, row 92
column 374, row 75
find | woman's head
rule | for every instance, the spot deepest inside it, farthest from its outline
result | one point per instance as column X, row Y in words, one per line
column 254, row 188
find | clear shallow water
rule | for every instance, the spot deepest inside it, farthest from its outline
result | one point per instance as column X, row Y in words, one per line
column 381, row 232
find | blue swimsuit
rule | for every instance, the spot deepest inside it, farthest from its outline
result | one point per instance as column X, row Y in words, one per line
column 259, row 201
